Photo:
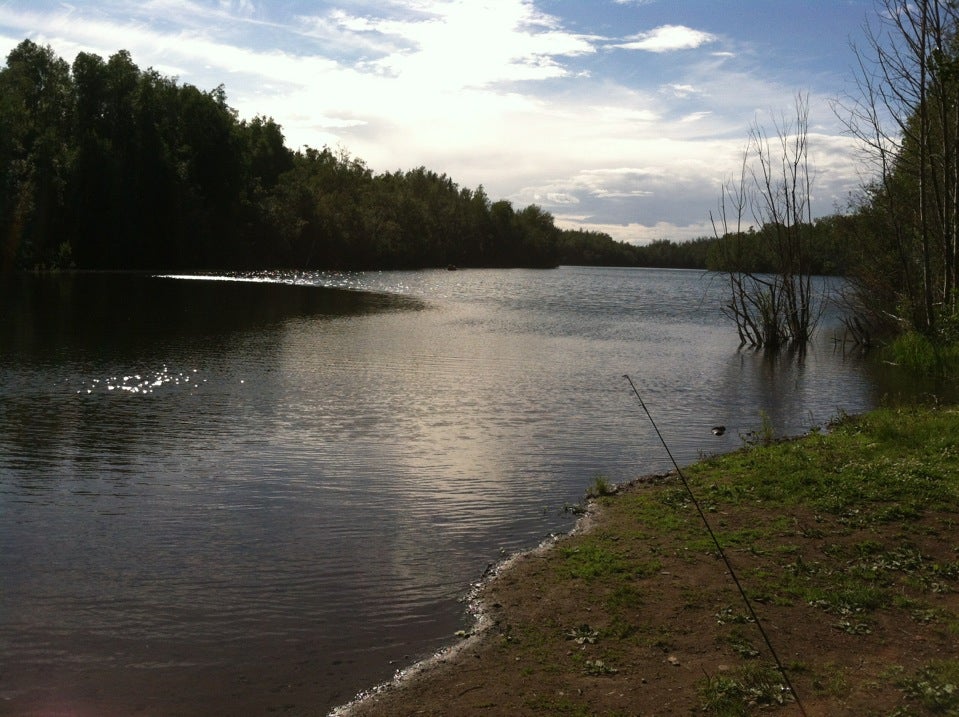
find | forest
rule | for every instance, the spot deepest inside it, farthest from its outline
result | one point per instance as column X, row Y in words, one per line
column 107, row 166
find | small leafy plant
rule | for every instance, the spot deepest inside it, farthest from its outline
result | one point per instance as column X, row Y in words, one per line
column 936, row 687
column 740, row 692
column 600, row 487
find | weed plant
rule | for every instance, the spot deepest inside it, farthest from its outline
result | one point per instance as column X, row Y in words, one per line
column 599, row 488
column 918, row 354
column 741, row 693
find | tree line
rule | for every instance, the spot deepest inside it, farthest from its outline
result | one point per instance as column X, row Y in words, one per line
column 107, row 166
column 104, row 165
column 832, row 251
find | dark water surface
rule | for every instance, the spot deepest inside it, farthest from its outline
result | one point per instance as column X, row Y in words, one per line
column 223, row 493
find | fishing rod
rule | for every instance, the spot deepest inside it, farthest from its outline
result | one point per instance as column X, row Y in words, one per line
column 719, row 548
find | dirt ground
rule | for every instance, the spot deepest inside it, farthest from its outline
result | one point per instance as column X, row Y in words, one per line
column 551, row 643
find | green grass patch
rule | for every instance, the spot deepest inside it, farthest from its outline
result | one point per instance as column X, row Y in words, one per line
column 623, row 598
column 891, row 466
column 918, row 354
column 741, row 692
column 590, row 561
column 884, row 466
column 660, row 512
column 935, row 687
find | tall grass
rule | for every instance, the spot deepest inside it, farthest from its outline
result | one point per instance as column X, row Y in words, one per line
column 920, row 355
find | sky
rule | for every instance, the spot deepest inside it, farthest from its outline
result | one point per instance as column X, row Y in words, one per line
column 620, row 116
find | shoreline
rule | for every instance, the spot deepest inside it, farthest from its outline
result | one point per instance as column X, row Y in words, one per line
column 482, row 621
column 845, row 543
column 479, row 630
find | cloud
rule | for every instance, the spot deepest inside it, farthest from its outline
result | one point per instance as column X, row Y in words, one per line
column 635, row 232
column 672, row 193
column 243, row 8
column 183, row 47
column 695, row 116
column 682, row 90
column 668, row 38
column 465, row 43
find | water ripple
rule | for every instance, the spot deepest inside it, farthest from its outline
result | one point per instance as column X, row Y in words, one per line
column 286, row 461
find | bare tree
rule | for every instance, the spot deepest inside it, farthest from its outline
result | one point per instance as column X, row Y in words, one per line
column 903, row 111
column 774, row 189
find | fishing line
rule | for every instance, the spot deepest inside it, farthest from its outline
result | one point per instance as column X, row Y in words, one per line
column 719, row 548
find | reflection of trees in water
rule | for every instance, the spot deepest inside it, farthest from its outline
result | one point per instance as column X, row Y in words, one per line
column 88, row 360
column 780, row 385
column 111, row 315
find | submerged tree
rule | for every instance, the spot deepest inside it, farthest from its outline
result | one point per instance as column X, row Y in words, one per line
column 772, row 190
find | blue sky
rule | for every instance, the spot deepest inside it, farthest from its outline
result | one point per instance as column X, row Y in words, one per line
column 622, row 116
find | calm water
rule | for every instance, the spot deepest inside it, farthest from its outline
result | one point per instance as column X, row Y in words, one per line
column 278, row 494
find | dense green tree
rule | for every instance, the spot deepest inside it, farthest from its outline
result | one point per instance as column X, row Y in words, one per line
column 136, row 171
column 89, row 201
column 35, row 116
column 537, row 237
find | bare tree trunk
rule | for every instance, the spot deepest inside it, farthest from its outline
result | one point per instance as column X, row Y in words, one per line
column 775, row 186
column 922, row 51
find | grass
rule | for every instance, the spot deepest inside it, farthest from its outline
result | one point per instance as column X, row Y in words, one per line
column 600, row 487
column 591, row 561
column 935, row 686
column 885, row 466
column 741, row 693
column 921, row 356
column 874, row 476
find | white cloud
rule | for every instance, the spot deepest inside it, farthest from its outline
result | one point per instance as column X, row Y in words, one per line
column 682, row 90
column 465, row 43
column 186, row 48
column 695, row 117
column 636, row 233
column 668, row 38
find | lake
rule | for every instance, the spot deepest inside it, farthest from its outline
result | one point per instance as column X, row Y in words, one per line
column 244, row 496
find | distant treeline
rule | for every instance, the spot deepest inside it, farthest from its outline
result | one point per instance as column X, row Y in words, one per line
column 107, row 166
column 830, row 239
